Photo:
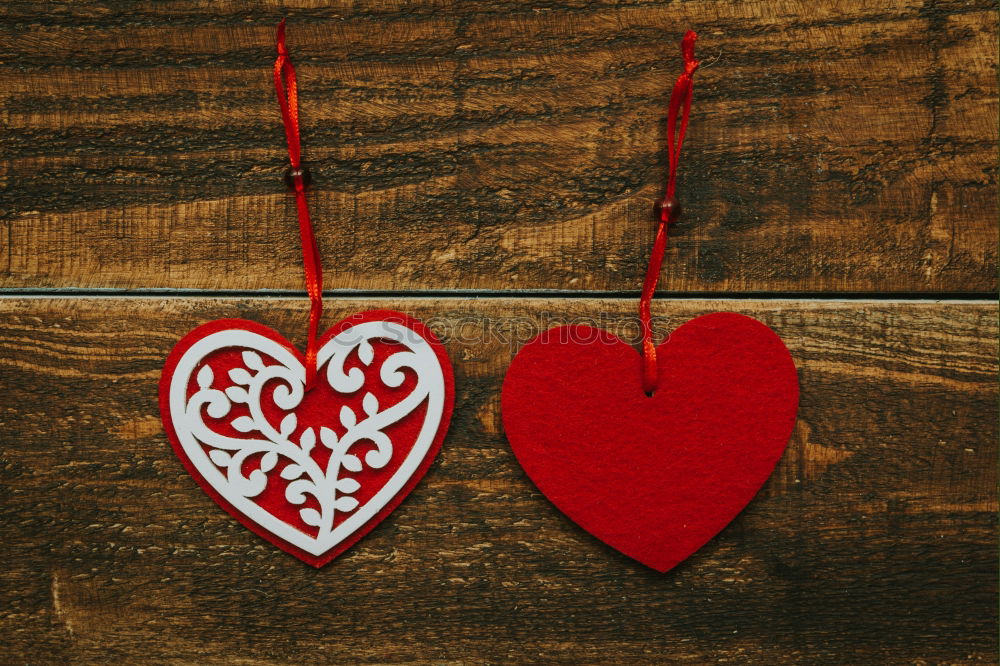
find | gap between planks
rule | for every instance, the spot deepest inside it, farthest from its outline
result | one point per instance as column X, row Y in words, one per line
column 360, row 294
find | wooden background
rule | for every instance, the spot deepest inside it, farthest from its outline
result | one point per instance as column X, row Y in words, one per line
column 490, row 166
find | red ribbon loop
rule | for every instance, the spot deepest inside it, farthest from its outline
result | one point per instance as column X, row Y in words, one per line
column 288, row 99
column 680, row 102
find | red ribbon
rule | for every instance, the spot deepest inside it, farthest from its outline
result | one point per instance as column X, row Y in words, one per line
column 288, row 100
column 680, row 102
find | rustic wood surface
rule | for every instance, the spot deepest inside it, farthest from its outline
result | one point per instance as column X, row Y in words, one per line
column 874, row 541
column 844, row 146
column 836, row 149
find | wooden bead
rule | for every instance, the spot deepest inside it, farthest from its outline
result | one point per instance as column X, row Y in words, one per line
column 667, row 210
column 292, row 173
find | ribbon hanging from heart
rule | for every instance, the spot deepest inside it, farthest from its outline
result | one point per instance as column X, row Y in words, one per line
column 654, row 454
column 309, row 452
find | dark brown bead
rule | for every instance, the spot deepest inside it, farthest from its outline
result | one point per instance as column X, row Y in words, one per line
column 291, row 174
column 667, row 210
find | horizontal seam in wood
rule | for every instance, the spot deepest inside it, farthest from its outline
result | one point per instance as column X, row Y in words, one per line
column 357, row 294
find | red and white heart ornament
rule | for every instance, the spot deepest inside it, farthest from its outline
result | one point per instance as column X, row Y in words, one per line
column 309, row 452
column 653, row 454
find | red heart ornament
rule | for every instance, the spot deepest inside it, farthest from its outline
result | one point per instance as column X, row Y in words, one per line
column 655, row 476
column 310, row 471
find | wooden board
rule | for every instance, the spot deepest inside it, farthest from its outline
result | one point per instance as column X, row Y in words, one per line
column 874, row 541
column 835, row 146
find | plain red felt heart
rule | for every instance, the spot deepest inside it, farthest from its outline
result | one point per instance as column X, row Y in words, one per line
column 654, row 477
column 310, row 471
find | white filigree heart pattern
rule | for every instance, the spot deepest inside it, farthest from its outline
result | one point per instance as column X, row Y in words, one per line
column 311, row 471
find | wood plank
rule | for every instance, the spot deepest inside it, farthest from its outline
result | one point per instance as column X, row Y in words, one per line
column 840, row 146
column 874, row 542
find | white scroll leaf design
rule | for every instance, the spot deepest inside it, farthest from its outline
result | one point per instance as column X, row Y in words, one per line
column 285, row 455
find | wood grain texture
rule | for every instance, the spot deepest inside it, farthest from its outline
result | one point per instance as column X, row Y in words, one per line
column 874, row 541
column 845, row 146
